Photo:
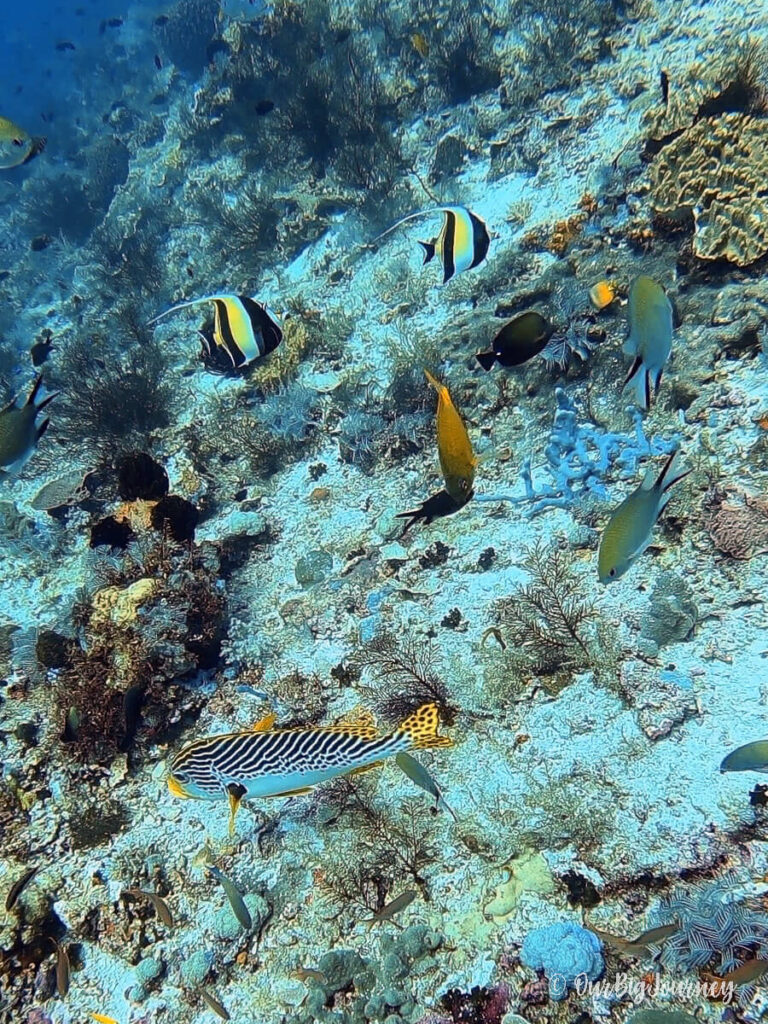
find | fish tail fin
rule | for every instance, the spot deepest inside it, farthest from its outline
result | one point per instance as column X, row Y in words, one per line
column 429, row 251
column 671, row 473
column 640, row 379
column 34, row 390
column 47, row 400
column 486, row 359
column 41, row 429
column 421, row 729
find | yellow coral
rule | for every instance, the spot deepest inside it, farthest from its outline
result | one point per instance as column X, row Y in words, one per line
column 121, row 606
column 716, row 170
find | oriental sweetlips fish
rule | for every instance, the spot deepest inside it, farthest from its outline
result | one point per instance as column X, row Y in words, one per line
column 244, row 330
column 16, row 145
column 20, row 431
column 266, row 761
column 628, row 531
column 650, row 337
column 461, row 244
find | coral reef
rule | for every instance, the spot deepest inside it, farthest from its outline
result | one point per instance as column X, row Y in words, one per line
column 737, row 530
column 564, row 951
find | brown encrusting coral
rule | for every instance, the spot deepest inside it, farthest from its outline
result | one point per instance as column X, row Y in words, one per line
column 739, row 530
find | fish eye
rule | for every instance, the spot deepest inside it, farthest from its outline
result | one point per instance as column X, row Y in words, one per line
column 612, row 572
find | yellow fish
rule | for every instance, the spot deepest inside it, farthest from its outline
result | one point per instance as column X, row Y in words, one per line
column 102, row 1018
column 16, row 145
column 457, row 460
column 420, row 44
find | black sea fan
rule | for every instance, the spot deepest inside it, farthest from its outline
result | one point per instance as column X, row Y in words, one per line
column 406, row 677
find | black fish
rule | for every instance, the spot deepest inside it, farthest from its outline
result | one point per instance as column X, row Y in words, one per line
column 19, row 886
column 114, row 22
column 162, row 20
column 263, row 107
column 439, row 505
column 65, row 45
column 133, row 698
column 158, row 62
column 518, row 341
column 41, row 348
column 664, row 80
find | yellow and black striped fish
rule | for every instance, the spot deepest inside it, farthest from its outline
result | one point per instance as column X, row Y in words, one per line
column 462, row 243
column 266, row 761
column 243, row 329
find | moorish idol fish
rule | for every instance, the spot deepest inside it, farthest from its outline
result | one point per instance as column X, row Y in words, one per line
column 243, row 329
column 462, row 243
column 20, row 431
column 266, row 761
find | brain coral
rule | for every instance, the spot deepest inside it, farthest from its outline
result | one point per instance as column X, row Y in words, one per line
column 717, row 171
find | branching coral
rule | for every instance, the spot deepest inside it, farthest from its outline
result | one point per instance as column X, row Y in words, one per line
column 405, row 677
column 545, row 621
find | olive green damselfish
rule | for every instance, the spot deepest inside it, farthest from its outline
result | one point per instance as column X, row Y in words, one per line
column 751, row 757
column 16, row 145
column 628, row 531
column 20, row 431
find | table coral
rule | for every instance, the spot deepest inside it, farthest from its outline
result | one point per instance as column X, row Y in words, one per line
column 715, row 170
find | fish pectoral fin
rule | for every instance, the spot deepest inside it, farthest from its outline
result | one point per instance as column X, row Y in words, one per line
column 365, row 768
column 264, row 724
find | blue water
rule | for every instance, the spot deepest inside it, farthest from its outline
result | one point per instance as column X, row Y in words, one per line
column 316, row 452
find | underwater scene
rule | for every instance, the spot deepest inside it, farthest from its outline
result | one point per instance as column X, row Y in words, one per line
column 384, row 512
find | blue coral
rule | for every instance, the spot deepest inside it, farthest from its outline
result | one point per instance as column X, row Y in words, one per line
column 565, row 952
column 580, row 457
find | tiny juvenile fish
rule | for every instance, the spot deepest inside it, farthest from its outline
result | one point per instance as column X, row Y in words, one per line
column 388, row 912
column 161, row 907
column 213, row 1003
column 638, row 946
column 19, row 886
column 628, row 531
column 17, row 146
column 420, row 44
column 457, row 460
column 650, row 337
column 236, row 901
column 602, row 294
column 243, row 329
column 419, row 775
column 462, row 243
column 270, row 761
column 518, row 341
column 435, row 507
column 19, row 430
column 309, row 974
column 751, row 757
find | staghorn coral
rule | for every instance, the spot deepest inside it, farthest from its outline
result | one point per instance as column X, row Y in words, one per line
column 715, row 171
column 739, row 531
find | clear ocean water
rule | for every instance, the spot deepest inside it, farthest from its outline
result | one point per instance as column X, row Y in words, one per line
column 383, row 512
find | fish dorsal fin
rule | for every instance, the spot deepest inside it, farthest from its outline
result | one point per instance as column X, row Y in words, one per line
column 188, row 305
column 264, row 724
column 413, row 216
column 421, row 728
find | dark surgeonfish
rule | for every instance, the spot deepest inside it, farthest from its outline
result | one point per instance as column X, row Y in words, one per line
column 20, row 431
column 435, row 507
column 518, row 341
column 244, row 330
column 462, row 243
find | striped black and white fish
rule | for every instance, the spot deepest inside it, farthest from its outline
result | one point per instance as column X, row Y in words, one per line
column 462, row 243
column 266, row 761
column 244, row 330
